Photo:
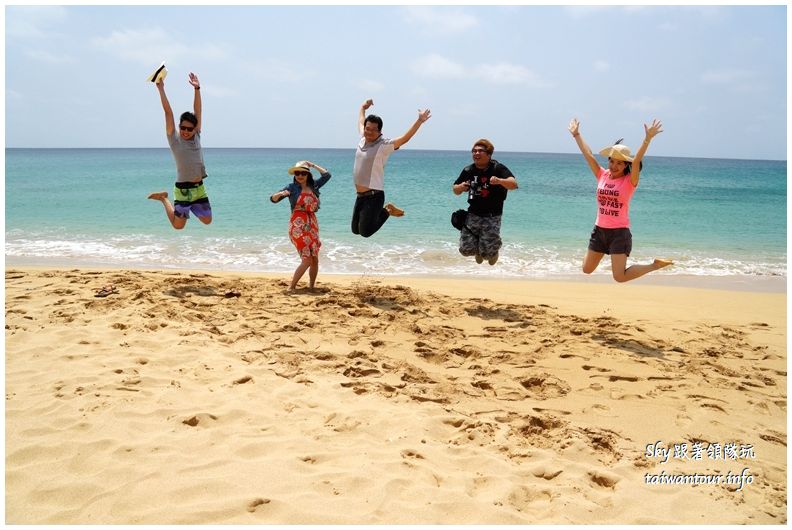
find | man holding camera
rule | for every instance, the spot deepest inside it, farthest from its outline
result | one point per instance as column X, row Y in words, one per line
column 487, row 182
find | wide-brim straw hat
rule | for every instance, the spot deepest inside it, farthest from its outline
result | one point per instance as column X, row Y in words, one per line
column 618, row 152
column 159, row 74
column 302, row 165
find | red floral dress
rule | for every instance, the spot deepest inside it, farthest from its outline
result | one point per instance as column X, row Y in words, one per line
column 303, row 226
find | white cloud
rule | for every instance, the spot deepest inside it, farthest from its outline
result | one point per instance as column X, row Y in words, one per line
column 601, row 66
column 219, row 91
column 744, row 81
column 274, row 70
column 438, row 67
column 146, row 46
column 47, row 57
column 419, row 92
column 440, row 20
column 648, row 104
column 152, row 46
column 33, row 21
column 369, row 86
column 584, row 10
column 726, row 76
column 463, row 112
column 635, row 8
column 505, row 73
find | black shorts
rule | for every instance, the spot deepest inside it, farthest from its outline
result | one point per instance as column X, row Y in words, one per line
column 611, row 240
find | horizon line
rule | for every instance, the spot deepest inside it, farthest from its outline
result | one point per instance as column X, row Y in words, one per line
column 416, row 149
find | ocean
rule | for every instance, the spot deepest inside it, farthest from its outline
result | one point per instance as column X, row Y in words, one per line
column 89, row 207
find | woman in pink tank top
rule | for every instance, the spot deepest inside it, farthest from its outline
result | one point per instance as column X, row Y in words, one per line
column 615, row 188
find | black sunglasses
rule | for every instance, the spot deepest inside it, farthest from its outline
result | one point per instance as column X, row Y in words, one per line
column 188, row 129
column 299, row 173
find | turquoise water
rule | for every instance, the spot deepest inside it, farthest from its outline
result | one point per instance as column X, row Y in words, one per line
column 88, row 207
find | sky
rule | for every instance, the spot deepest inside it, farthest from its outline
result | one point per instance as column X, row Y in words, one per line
column 295, row 76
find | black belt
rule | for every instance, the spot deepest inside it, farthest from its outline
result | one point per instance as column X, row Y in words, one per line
column 369, row 192
column 188, row 185
column 487, row 214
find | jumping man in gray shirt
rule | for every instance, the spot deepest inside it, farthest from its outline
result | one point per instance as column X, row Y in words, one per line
column 189, row 193
column 373, row 150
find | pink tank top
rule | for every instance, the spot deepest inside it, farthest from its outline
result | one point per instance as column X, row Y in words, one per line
column 613, row 200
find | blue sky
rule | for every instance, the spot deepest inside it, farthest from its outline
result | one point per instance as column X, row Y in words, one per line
column 295, row 76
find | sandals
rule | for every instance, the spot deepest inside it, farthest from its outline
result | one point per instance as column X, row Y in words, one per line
column 394, row 210
column 107, row 290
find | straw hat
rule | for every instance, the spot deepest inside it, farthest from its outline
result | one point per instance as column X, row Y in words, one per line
column 618, row 152
column 302, row 165
column 159, row 74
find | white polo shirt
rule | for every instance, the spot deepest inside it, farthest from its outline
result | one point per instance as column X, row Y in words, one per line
column 370, row 161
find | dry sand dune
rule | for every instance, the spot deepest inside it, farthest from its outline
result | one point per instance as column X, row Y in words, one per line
column 369, row 401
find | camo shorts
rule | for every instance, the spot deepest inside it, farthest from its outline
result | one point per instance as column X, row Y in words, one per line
column 480, row 236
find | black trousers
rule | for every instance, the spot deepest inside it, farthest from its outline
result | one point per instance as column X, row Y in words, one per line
column 369, row 214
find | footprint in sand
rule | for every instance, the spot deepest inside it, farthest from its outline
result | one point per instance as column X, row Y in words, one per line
column 522, row 497
column 602, row 479
column 598, row 408
column 202, row 418
column 354, row 371
column 683, row 420
column 774, row 437
column 547, row 474
column 545, row 386
column 409, row 453
column 454, row 422
column 255, row 503
column 597, row 368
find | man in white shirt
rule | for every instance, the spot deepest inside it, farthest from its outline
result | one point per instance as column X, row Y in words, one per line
column 373, row 150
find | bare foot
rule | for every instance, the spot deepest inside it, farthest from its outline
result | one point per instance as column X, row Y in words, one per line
column 393, row 210
column 659, row 263
column 159, row 196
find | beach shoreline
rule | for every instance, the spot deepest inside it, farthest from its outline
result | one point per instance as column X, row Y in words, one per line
column 192, row 396
column 744, row 283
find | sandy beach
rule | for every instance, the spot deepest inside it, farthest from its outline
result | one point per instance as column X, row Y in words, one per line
column 386, row 400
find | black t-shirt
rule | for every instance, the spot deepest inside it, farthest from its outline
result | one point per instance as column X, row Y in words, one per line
column 483, row 198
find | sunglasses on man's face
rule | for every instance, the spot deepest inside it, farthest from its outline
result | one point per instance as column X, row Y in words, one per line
column 185, row 128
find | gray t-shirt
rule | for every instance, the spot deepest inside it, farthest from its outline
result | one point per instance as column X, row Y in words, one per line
column 188, row 156
column 370, row 161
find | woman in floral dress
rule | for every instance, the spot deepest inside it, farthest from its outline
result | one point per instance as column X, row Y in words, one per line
column 303, row 194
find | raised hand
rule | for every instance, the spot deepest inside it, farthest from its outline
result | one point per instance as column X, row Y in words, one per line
column 653, row 130
column 574, row 127
column 367, row 104
column 424, row 115
column 193, row 80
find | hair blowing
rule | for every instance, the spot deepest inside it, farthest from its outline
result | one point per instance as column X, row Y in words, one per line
column 373, row 118
column 486, row 144
column 188, row 116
